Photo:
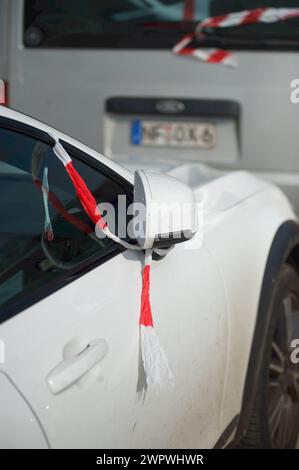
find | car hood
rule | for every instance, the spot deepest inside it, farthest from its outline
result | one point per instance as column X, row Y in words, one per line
column 218, row 190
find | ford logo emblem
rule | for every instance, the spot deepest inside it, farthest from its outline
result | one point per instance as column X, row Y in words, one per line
column 170, row 106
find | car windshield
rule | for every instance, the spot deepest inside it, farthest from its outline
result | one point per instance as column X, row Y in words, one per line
column 145, row 23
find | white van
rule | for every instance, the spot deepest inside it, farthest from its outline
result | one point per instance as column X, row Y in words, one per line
column 103, row 71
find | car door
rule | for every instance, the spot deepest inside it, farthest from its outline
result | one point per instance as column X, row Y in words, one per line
column 69, row 311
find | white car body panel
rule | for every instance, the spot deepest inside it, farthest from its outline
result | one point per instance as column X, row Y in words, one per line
column 20, row 428
column 204, row 298
column 249, row 229
column 105, row 411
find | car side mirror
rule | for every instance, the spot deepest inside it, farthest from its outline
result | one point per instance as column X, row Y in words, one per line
column 166, row 208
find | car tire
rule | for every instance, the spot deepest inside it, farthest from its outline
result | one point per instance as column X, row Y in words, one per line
column 274, row 417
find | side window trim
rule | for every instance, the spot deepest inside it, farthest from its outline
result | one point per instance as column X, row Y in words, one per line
column 30, row 131
column 26, row 129
column 84, row 266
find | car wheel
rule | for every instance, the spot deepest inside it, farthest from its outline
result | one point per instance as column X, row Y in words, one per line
column 274, row 421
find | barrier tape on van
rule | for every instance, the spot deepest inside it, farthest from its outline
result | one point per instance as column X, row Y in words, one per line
column 226, row 57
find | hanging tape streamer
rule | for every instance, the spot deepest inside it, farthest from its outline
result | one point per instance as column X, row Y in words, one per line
column 154, row 359
column 155, row 362
column 48, row 231
column 225, row 57
column 51, row 197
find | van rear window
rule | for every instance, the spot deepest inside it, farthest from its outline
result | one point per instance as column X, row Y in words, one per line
column 142, row 24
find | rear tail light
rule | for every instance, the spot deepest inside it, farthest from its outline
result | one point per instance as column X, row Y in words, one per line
column 3, row 93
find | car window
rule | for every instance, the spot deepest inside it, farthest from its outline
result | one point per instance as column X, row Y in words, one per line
column 29, row 260
column 135, row 24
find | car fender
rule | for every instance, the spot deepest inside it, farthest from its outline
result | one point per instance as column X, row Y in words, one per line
column 284, row 248
column 240, row 241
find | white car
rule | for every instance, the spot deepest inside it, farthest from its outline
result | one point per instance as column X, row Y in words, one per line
column 225, row 303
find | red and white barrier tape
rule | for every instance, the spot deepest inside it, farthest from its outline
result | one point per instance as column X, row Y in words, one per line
column 221, row 56
column 155, row 362
column 154, row 359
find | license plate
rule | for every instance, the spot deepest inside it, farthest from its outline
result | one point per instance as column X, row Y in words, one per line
column 173, row 134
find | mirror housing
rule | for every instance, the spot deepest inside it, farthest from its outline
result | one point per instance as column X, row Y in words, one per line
column 167, row 210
